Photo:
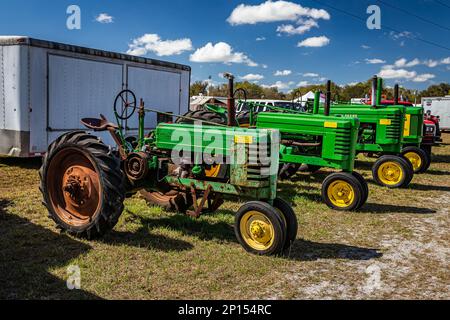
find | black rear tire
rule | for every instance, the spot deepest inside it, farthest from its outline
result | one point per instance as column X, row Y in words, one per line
column 204, row 115
column 111, row 192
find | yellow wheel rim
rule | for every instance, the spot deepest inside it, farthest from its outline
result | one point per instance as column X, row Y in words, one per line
column 257, row 230
column 341, row 194
column 415, row 160
column 390, row 173
column 213, row 171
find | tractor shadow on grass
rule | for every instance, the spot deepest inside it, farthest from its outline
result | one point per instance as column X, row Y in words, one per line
column 438, row 173
column 440, row 158
column 426, row 187
column 199, row 228
column 303, row 250
column 27, row 252
column 22, row 163
column 379, row 208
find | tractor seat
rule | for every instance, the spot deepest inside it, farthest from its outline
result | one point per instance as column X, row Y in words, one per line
column 98, row 124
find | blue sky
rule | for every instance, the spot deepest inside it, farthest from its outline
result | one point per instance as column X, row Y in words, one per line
column 180, row 31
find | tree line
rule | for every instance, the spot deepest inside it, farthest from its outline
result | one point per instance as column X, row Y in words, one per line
column 339, row 93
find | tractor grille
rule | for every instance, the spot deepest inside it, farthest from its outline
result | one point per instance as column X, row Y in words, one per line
column 258, row 162
column 343, row 142
column 393, row 131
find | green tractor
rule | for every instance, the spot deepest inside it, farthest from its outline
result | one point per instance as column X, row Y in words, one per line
column 394, row 132
column 313, row 139
column 84, row 182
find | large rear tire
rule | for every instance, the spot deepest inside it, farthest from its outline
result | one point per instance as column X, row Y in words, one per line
column 82, row 185
column 204, row 115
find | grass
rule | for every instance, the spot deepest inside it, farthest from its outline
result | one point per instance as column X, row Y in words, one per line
column 152, row 254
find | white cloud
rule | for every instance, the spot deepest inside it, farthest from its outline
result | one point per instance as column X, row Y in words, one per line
column 388, row 73
column 304, row 26
column 281, row 73
column 104, row 18
column 364, row 46
column 280, row 85
column 261, row 39
column 424, row 77
column 220, row 52
column 401, row 63
column 153, row 43
column 351, row 84
column 252, row 77
column 303, row 84
column 431, row 63
column 399, row 35
column 310, row 75
column 375, row 61
column 314, row 42
column 445, row 61
column 273, row 11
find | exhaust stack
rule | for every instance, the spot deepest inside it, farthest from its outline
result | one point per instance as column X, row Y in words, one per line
column 328, row 99
column 231, row 107
column 396, row 94
column 374, row 91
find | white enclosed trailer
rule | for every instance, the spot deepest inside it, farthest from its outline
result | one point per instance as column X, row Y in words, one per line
column 47, row 87
column 439, row 106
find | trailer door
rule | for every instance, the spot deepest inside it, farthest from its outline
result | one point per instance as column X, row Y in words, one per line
column 160, row 90
column 80, row 88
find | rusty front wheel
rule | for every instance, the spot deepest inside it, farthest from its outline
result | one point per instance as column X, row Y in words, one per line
column 82, row 185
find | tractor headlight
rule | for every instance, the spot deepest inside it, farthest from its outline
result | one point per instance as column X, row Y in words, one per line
column 430, row 129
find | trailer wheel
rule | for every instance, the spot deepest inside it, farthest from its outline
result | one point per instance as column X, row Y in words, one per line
column 82, row 185
column 289, row 219
column 173, row 201
column 259, row 228
column 418, row 158
column 392, row 172
column 343, row 191
column 365, row 186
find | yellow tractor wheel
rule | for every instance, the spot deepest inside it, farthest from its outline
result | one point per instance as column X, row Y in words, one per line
column 343, row 191
column 260, row 229
column 392, row 172
column 418, row 158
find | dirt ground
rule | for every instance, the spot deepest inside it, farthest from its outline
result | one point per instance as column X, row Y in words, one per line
column 396, row 247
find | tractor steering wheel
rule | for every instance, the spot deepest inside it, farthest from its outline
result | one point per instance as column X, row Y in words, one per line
column 242, row 91
column 122, row 100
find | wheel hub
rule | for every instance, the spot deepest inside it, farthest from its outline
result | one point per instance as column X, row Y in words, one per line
column 77, row 186
column 341, row 193
column 259, row 231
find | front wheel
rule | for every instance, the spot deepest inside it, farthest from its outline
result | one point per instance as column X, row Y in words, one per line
column 82, row 185
column 260, row 229
column 289, row 220
column 418, row 158
column 392, row 172
column 343, row 191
